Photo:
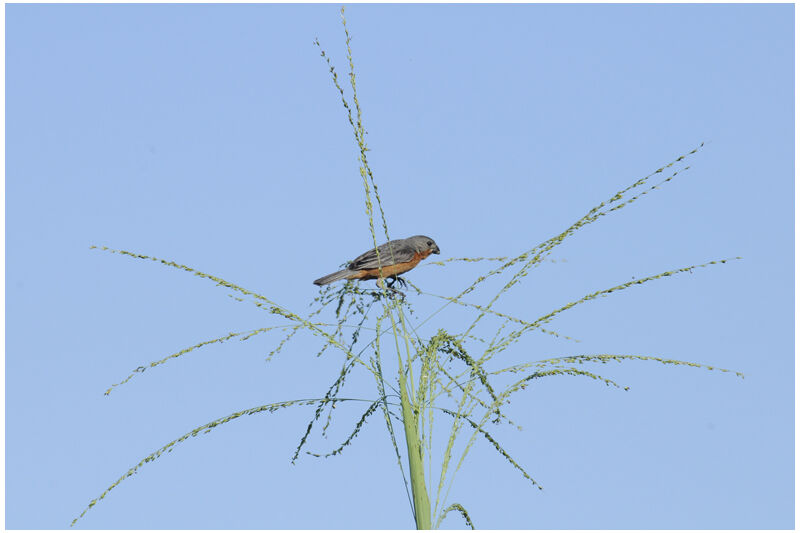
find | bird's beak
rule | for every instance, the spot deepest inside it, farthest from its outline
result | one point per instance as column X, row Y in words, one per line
column 436, row 250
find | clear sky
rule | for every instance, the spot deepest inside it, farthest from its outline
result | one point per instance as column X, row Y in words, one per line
column 212, row 135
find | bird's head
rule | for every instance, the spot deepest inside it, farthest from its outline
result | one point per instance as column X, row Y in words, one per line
column 421, row 243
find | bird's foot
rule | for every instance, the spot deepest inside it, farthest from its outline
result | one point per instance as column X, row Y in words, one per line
column 397, row 279
column 389, row 285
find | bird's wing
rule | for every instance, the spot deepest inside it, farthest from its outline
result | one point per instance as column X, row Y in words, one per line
column 397, row 250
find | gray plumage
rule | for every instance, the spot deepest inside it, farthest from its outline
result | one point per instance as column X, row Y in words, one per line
column 330, row 278
column 392, row 252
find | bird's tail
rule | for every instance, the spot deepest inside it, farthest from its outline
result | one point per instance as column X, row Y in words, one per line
column 330, row 278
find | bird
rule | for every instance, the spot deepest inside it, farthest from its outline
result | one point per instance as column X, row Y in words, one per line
column 396, row 257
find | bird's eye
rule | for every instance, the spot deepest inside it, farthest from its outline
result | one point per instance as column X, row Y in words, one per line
column 430, row 242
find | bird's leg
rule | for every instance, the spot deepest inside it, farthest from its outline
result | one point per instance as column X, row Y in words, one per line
column 390, row 285
column 397, row 279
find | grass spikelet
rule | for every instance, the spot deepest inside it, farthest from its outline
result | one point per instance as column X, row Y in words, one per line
column 277, row 309
column 483, row 309
column 540, row 251
column 454, row 383
column 262, row 301
column 332, row 390
column 569, row 371
column 477, row 427
column 515, row 335
column 244, row 334
column 275, row 351
column 371, row 409
column 205, row 428
column 360, row 131
column 605, row 358
column 450, row 345
column 444, row 262
column 456, row 507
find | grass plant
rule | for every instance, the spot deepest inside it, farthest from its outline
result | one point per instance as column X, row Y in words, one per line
column 445, row 384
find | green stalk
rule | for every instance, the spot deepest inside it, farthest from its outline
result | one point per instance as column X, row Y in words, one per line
column 422, row 505
column 416, row 468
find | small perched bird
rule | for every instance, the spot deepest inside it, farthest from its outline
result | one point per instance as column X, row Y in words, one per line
column 396, row 257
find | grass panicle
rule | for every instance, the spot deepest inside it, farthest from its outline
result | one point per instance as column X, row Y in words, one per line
column 245, row 335
column 446, row 388
column 206, row 428
column 371, row 409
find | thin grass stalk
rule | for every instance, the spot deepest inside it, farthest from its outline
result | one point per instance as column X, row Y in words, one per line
column 422, row 514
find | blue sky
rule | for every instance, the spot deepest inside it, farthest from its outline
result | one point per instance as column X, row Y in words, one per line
column 212, row 135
